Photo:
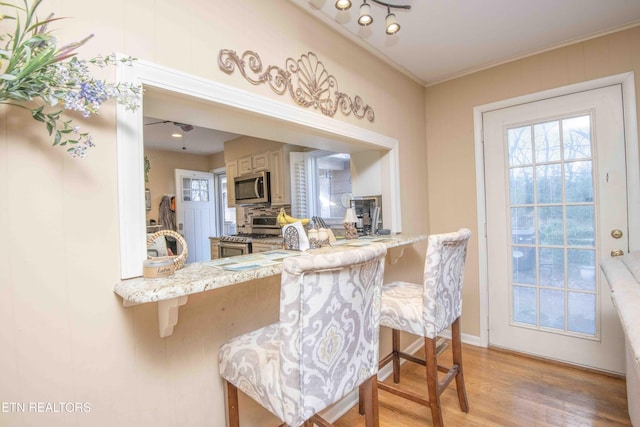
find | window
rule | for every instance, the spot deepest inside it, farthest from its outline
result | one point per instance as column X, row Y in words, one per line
column 319, row 180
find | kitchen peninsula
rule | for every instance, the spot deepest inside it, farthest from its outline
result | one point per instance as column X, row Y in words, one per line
column 172, row 292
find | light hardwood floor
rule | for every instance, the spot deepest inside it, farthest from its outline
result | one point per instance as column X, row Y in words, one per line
column 506, row 389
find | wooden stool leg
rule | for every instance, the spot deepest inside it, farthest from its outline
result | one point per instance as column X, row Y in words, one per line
column 395, row 343
column 431, row 360
column 369, row 390
column 456, row 348
column 232, row 405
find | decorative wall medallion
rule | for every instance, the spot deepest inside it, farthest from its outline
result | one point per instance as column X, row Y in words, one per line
column 315, row 87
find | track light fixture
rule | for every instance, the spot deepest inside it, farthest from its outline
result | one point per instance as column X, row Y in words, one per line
column 365, row 18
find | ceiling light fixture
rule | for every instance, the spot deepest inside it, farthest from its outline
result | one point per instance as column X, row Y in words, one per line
column 343, row 4
column 365, row 18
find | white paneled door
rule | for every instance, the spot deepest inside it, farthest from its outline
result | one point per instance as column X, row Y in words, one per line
column 195, row 212
column 556, row 205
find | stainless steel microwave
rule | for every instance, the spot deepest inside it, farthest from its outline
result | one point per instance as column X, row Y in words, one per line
column 253, row 189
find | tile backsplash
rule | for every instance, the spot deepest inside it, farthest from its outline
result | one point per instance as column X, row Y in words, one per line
column 245, row 213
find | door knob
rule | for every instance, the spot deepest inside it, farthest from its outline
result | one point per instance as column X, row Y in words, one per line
column 616, row 234
column 617, row 252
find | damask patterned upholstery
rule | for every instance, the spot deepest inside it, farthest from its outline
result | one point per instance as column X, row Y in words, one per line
column 426, row 309
column 429, row 308
column 326, row 342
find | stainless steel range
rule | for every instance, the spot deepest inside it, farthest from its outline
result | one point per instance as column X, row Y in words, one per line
column 262, row 227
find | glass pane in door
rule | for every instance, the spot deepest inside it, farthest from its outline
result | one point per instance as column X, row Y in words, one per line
column 195, row 190
column 551, row 206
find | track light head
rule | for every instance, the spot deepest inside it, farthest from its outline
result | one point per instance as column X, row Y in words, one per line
column 365, row 14
column 391, row 24
column 343, row 4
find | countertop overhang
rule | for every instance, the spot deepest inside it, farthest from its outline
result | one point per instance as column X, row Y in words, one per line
column 172, row 291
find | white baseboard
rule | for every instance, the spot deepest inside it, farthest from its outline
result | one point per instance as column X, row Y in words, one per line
column 466, row 338
column 334, row 412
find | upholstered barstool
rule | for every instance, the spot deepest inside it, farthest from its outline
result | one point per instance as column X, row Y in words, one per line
column 324, row 346
column 427, row 309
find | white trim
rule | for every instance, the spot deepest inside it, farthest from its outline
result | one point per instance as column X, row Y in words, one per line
column 227, row 100
column 219, row 209
column 627, row 81
column 130, row 154
column 633, row 159
column 482, row 227
column 392, row 187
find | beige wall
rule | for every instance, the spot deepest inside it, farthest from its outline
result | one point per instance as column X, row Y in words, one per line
column 216, row 161
column 246, row 145
column 65, row 335
column 162, row 177
column 450, row 138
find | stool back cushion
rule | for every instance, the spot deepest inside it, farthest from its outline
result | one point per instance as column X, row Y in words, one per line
column 329, row 325
column 443, row 278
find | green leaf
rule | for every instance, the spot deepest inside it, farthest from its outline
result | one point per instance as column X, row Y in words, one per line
column 36, row 113
column 39, row 61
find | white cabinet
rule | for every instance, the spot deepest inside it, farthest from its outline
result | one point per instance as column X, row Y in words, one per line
column 232, row 172
column 244, row 166
column 260, row 162
column 253, row 163
column 280, row 182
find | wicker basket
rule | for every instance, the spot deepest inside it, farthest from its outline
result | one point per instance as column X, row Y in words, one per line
column 178, row 260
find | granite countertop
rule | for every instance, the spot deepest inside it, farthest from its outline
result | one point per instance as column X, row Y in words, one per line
column 218, row 273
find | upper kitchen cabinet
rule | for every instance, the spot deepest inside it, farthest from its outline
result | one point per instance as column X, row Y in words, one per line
column 253, row 163
column 280, row 176
column 232, row 172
